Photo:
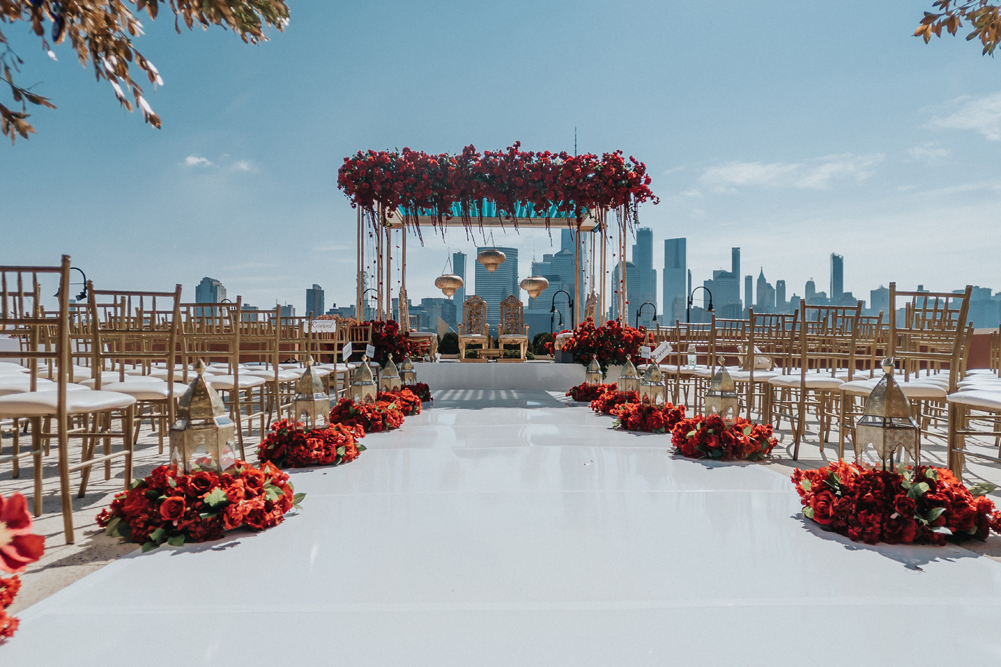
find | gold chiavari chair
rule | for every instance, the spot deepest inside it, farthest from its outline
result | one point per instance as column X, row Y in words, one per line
column 691, row 341
column 46, row 336
column 768, row 345
column 729, row 339
column 138, row 330
column 825, row 350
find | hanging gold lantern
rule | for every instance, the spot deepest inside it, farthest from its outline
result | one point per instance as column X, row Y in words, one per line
column 491, row 258
column 653, row 386
column 363, row 386
column 310, row 399
column 721, row 398
column 629, row 380
column 203, row 435
column 593, row 375
column 886, row 421
column 389, row 379
column 534, row 285
column 448, row 283
column 408, row 376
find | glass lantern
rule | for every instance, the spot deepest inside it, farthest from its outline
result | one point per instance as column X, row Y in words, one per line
column 653, row 388
column 629, row 380
column 408, row 376
column 593, row 375
column 203, row 436
column 886, row 421
column 389, row 379
column 363, row 386
column 310, row 401
column 721, row 398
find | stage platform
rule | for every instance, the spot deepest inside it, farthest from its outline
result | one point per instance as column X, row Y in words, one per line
column 505, row 528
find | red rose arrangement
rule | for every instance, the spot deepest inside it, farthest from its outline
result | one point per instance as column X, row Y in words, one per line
column 608, row 402
column 922, row 505
column 388, row 340
column 404, row 400
column 589, row 392
column 520, row 183
column 703, row 437
column 289, row 445
column 610, row 344
column 170, row 506
column 19, row 547
column 371, row 417
column 421, row 391
column 648, row 417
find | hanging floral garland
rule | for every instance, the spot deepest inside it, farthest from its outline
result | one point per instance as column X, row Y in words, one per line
column 520, row 184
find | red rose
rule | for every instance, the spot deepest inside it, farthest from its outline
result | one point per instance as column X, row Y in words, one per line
column 905, row 506
column 201, row 483
column 822, row 505
column 172, row 508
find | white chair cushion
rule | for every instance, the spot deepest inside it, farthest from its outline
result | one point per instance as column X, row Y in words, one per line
column 11, row 387
column 813, row 381
column 859, row 387
column 759, row 376
column 283, row 375
column 43, row 403
column 322, row 372
column 981, row 399
column 225, row 382
column 924, row 390
column 146, row 391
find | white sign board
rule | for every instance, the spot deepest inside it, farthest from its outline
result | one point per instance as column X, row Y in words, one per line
column 323, row 326
column 370, row 351
column 661, row 351
column 346, row 352
column 645, row 352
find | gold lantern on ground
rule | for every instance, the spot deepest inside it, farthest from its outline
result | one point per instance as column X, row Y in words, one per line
column 490, row 258
column 448, row 283
column 203, row 435
column 721, row 398
column 653, row 388
column 363, row 386
column 534, row 285
column 886, row 421
column 389, row 379
column 310, row 398
column 629, row 380
column 593, row 375
column 408, row 376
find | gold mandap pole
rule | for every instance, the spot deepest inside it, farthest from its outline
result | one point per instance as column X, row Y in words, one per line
column 576, row 277
column 360, row 296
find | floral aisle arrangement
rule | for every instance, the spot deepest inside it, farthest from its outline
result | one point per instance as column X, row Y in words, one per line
column 289, row 445
column 610, row 344
column 589, row 392
column 421, row 391
column 19, row 547
column 703, row 437
column 403, row 399
column 520, row 182
column 922, row 505
column 608, row 402
column 371, row 417
column 176, row 508
column 648, row 417
column 388, row 340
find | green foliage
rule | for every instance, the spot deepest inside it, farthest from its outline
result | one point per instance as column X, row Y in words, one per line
column 540, row 340
column 449, row 343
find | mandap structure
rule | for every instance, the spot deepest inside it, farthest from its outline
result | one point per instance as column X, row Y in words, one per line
column 410, row 190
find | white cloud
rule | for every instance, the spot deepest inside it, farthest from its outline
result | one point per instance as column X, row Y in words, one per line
column 814, row 174
column 243, row 165
column 929, row 152
column 981, row 115
column 197, row 161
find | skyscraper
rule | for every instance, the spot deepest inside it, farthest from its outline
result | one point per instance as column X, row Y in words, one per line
column 837, row 278
column 632, row 292
column 780, row 296
column 459, row 269
column 725, row 288
column 811, row 291
column 879, row 301
column 314, row 300
column 646, row 274
column 675, row 267
column 766, row 294
column 748, row 291
column 497, row 286
column 209, row 290
column 735, row 265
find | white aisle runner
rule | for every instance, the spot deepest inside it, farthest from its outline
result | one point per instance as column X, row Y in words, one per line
column 521, row 536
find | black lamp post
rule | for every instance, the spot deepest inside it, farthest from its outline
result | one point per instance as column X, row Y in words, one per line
column 83, row 293
column 688, row 310
column 640, row 310
column 552, row 309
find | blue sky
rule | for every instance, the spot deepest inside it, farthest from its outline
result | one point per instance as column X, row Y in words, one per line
column 790, row 129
